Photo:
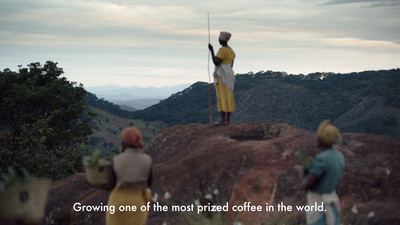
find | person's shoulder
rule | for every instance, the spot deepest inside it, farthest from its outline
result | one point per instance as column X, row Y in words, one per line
column 146, row 156
column 336, row 152
column 340, row 155
column 143, row 154
column 226, row 48
column 323, row 154
column 331, row 154
column 321, row 158
column 230, row 50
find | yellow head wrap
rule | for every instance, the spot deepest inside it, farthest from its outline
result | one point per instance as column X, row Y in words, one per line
column 329, row 134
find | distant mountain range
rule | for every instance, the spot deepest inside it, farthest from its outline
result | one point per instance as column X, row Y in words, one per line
column 135, row 97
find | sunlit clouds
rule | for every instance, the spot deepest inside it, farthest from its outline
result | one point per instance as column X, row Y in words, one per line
column 159, row 43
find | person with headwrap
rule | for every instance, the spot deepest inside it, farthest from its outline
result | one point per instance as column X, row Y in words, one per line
column 130, row 177
column 224, row 77
column 324, row 176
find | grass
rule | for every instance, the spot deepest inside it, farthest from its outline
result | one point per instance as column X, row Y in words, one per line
column 109, row 127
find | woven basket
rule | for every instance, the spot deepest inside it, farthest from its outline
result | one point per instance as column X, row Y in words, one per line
column 98, row 175
column 25, row 202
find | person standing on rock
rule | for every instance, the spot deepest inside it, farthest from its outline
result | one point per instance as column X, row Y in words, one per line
column 324, row 176
column 131, row 175
column 224, row 77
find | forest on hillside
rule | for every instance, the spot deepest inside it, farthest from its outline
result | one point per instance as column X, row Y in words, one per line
column 191, row 105
column 334, row 96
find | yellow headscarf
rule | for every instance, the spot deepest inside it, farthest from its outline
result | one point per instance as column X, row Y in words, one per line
column 329, row 134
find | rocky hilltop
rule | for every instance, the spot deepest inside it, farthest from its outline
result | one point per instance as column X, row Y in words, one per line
column 249, row 162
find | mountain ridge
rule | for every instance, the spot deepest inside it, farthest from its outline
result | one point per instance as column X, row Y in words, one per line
column 299, row 100
column 113, row 92
column 135, row 97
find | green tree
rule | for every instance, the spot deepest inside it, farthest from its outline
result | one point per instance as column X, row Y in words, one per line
column 44, row 115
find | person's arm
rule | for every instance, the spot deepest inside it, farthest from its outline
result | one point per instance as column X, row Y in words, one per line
column 150, row 179
column 217, row 61
column 309, row 181
column 315, row 173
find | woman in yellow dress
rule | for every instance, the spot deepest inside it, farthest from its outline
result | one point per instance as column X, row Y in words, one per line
column 224, row 77
column 131, row 175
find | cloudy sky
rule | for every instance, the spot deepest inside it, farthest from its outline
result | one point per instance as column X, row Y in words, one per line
column 164, row 42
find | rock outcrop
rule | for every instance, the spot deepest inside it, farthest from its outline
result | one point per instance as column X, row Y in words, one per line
column 252, row 162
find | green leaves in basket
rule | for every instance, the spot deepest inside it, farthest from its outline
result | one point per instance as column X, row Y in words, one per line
column 12, row 178
column 306, row 160
column 93, row 160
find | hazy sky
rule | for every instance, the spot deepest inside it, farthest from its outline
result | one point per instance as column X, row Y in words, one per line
column 163, row 43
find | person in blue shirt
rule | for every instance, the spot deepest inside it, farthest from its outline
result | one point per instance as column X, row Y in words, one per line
column 324, row 176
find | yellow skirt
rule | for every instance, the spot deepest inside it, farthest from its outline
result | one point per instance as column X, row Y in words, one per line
column 225, row 98
column 126, row 198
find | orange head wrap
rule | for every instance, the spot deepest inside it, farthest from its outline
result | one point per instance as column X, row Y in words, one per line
column 132, row 136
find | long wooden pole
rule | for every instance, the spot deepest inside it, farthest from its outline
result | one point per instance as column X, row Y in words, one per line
column 209, row 77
